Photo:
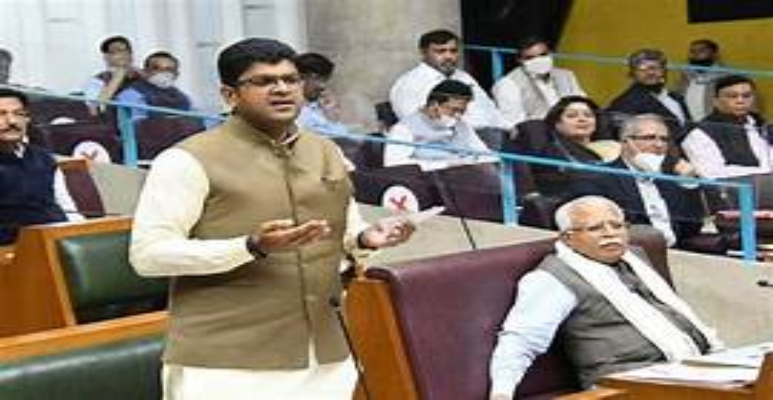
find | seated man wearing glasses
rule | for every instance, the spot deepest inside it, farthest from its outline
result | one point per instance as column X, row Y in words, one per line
column 673, row 208
column 609, row 307
column 733, row 140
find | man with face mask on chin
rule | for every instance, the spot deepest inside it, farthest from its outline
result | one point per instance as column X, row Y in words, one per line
column 440, row 61
column 157, row 87
column 672, row 208
column 529, row 90
column 437, row 123
column 648, row 93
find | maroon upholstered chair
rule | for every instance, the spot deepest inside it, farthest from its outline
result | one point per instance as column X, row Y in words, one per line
column 371, row 184
column 64, row 138
column 82, row 188
column 159, row 133
column 426, row 329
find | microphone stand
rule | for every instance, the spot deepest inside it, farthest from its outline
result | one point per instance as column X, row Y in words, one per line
column 335, row 303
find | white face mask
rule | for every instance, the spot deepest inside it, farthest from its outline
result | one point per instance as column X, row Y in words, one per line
column 163, row 80
column 447, row 122
column 649, row 162
column 539, row 65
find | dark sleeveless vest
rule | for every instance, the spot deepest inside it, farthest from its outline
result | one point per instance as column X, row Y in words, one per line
column 729, row 134
column 159, row 97
column 27, row 191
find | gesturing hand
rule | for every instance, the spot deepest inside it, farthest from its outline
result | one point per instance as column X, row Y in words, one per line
column 387, row 232
column 283, row 234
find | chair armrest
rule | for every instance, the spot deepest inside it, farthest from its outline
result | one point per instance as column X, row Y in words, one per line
column 597, row 393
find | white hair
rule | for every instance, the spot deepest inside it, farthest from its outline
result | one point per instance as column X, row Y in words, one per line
column 564, row 214
column 631, row 124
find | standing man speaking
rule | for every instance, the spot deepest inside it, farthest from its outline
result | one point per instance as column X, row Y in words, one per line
column 251, row 221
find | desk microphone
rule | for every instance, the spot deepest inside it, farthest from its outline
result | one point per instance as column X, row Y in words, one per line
column 765, row 283
column 448, row 194
column 335, row 302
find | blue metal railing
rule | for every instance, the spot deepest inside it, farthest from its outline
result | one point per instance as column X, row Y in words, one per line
column 497, row 55
column 507, row 161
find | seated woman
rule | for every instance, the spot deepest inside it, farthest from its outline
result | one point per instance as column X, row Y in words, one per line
column 567, row 134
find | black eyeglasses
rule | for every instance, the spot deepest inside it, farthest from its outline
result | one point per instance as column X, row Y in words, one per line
column 598, row 228
column 651, row 138
column 271, row 82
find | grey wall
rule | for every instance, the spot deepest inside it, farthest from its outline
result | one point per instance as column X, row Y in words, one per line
column 372, row 42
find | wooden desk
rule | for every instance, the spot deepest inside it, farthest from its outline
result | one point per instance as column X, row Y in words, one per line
column 666, row 390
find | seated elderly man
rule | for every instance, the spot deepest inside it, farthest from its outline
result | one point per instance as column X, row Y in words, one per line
column 439, row 124
column 610, row 308
column 32, row 188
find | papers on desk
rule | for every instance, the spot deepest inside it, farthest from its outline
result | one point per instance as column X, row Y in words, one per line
column 677, row 372
column 750, row 356
column 739, row 366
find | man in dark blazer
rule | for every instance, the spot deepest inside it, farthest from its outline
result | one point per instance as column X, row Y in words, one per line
column 648, row 94
column 673, row 208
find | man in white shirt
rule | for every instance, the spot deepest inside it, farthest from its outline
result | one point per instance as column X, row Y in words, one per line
column 733, row 140
column 611, row 309
column 440, row 61
column 248, row 220
column 438, row 123
column 532, row 88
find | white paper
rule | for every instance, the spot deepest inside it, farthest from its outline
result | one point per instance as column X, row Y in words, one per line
column 748, row 356
column 417, row 218
column 691, row 373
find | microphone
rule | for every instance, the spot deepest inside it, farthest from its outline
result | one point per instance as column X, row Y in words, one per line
column 335, row 302
column 764, row 283
column 447, row 194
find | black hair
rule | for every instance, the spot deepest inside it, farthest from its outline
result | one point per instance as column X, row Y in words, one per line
column 731, row 80
column 160, row 54
column 449, row 89
column 6, row 92
column 5, row 54
column 529, row 41
column 438, row 36
column 105, row 46
column 239, row 57
column 712, row 45
column 553, row 116
column 314, row 63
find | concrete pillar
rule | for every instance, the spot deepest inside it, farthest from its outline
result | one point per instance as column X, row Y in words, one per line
column 372, row 42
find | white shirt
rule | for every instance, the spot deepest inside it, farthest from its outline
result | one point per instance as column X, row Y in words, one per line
column 171, row 203
column 529, row 328
column 409, row 93
column 707, row 158
column 657, row 209
column 418, row 128
column 672, row 105
column 518, row 100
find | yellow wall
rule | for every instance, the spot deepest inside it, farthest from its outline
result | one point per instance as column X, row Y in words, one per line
column 615, row 28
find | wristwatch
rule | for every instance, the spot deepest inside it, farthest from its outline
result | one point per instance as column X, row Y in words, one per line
column 253, row 246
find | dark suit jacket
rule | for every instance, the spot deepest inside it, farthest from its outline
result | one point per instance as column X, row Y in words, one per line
column 637, row 100
column 684, row 205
